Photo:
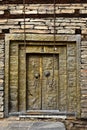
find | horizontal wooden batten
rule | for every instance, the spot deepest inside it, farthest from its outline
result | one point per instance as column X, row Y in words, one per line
column 65, row 15
column 42, row 1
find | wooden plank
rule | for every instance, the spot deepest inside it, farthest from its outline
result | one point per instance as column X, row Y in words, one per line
column 72, row 77
column 50, row 84
column 42, row 1
column 13, row 78
column 62, row 80
column 22, row 78
column 33, row 82
column 6, row 77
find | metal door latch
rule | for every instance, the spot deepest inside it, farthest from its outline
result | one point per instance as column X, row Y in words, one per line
column 47, row 73
column 37, row 75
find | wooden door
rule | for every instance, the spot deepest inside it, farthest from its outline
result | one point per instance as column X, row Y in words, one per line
column 42, row 82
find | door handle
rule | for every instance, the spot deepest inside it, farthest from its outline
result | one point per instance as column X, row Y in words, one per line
column 37, row 75
column 47, row 73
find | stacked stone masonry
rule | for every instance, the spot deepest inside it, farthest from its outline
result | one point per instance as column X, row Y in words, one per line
column 84, row 79
column 37, row 25
column 1, row 77
column 45, row 25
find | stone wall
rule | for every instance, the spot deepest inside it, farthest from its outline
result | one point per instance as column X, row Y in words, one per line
column 10, row 18
column 75, row 124
column 83, row 79
column 1, row 77
column 40, row 19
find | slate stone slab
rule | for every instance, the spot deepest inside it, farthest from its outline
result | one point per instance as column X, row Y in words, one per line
column 21, row 125
column 48, row 126
column 39, row 125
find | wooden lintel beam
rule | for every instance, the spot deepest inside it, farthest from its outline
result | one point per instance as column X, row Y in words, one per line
column 18, row 16
column 42, row 1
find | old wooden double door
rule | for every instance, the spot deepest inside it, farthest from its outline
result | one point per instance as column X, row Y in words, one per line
column 42, row 81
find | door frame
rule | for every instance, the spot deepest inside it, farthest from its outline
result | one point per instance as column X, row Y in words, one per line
column 59, row 39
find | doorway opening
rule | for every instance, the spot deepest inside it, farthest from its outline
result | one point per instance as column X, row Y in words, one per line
column 29, row 82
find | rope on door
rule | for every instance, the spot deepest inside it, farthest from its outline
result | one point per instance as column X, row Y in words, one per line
column 24, row 8
column 54, row 47
column 24, row 18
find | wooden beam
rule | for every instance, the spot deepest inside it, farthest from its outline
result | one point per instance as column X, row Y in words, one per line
column 42, row 1
column 65, row 15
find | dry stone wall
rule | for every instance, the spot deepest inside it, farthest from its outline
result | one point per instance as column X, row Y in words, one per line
column 83, row 79
column 44, row 25
column 39, row 19
column 1, row 78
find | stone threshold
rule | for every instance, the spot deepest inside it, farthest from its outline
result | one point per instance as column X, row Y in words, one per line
column 42, row 117
column 43, row 114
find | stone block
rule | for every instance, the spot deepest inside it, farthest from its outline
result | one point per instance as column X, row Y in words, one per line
column 20, row 7
column 58, row 11
column 48, row 126
column 67, row 10
column 27, row 26
column 31, row 12
column 16, row 11
column 1, row 93
column 83, row 11
column 84, row 61
column 4, row 7
column 12, row 6
column 1, row 100
column 1, row 81
column 1, row 108
column 84, row 115
column 1, row 12
column 1, row 87
column 1, row 114
column 84, row 31
column 66, row 31
column 41, row 27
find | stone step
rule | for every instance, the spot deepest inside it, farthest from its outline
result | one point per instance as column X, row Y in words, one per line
column 46, row 114
column 42, row 116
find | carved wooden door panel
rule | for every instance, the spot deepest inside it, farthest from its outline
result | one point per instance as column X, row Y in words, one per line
column 42, row 82
column 33, row 82
column 50, row 82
